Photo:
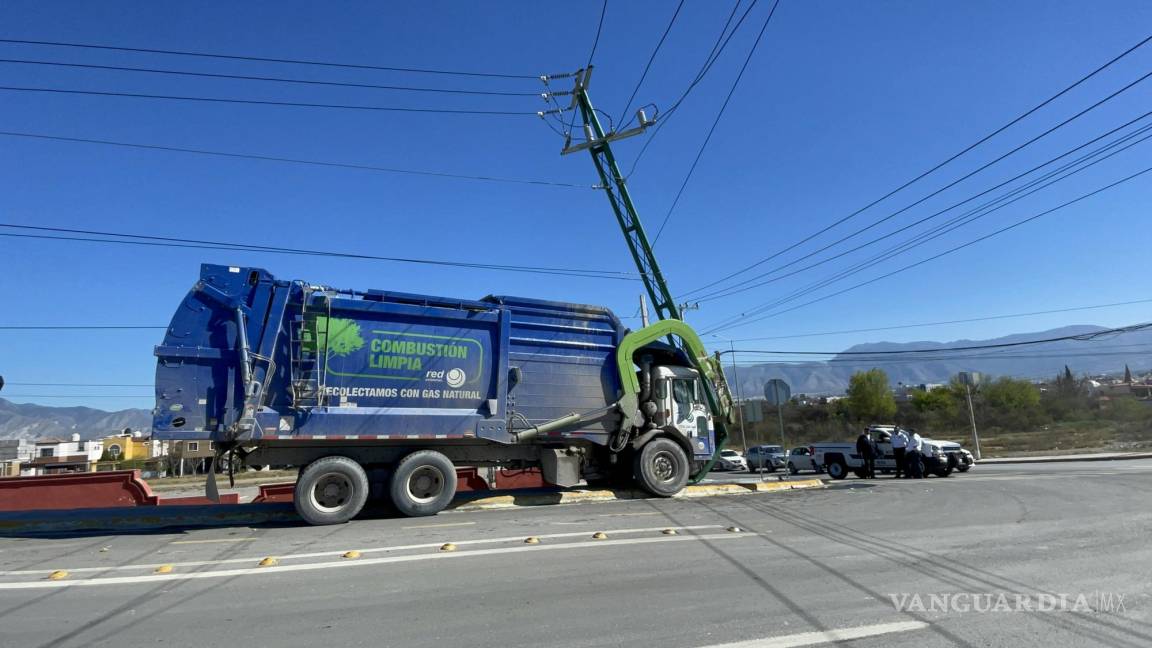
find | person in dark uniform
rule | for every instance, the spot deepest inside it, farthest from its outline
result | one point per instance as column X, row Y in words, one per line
column 899, row 445
column 867, row 451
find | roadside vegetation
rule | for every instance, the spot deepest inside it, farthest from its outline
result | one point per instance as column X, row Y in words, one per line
column 1065, row 414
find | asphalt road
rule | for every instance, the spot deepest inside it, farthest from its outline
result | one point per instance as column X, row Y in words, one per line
column 806, row 567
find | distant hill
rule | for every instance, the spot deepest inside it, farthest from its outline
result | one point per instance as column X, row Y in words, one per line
column 1032, row 361
column 26, row 421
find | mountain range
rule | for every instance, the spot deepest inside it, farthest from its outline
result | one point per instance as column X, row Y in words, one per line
column 1101, row 355
column 30, row 421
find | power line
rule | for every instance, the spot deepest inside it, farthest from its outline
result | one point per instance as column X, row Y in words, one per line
column 261, row 59
column 68, row 327
column 717, row 48
column 80, row 385
column 648, row 66
column 242, row 77
column 754, row 282
column 270, row 158
column 940, row 230
column 946, row 322
column 599, row 28
column 260, row 102
column 716, row 122
column 944, row 253
column 947, row 161
column 1079, row 337
column 166, row 241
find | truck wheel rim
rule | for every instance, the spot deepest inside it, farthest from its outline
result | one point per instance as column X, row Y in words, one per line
column 664, row 466
column 425, row 484
column 331, row 492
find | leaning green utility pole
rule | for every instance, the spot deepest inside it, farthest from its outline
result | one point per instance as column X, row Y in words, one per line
column 597, row 143
column 614, row 185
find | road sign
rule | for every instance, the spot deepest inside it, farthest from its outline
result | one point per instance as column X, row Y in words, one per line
column 777, row 391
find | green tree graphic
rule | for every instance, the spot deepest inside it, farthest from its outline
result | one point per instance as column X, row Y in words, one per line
column 344, row 337
column 333, row 335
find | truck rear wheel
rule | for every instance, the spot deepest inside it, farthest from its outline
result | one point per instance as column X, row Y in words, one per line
column 423, row 483
column 331, row 490
column 661, row 467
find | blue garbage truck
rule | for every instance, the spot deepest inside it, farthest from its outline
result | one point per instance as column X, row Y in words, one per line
column 377, row 387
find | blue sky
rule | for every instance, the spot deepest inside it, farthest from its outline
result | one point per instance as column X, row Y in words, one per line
column 842, row 102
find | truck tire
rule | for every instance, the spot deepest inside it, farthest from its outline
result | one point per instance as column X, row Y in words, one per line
column 423, row 483
column 837, row 469
column 661, row 467
column 331, row 490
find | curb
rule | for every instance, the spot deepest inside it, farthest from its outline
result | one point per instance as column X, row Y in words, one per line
column 535, row 498
column 1066, row 459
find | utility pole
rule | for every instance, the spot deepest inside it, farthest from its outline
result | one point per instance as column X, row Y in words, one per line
column 779, row 414
column 643, row 312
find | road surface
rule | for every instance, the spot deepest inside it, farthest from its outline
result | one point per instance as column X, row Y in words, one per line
column 806, row 567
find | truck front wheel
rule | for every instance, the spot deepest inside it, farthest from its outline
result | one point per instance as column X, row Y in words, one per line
column 331, row 490
column 423, row 483
column 662, row 467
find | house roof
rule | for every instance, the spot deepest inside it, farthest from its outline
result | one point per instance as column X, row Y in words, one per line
column 50, row 441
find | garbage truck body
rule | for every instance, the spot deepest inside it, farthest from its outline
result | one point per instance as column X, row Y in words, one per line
column 375, row 387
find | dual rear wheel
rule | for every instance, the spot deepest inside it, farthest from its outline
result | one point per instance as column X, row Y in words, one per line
column 333, row 490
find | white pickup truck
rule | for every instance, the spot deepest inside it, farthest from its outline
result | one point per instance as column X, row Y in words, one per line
column 839, row 459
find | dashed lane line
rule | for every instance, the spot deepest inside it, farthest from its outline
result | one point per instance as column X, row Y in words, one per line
column 363, row 562
column 340, row 552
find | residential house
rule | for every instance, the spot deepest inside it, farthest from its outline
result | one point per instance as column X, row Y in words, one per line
column 54, row 456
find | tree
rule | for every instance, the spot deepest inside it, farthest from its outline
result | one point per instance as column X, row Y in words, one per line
column 870, row 397
column 1127, row 375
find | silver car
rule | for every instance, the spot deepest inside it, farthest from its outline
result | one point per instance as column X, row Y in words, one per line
column 766, row 457
column 730, row 460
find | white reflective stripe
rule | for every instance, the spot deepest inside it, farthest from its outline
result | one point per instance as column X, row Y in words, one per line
column 825, row 636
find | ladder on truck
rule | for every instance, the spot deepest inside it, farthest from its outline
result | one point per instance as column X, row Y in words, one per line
column 309, row 351
column 615, row 187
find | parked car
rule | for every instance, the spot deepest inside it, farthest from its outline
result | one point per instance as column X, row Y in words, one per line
column 802, row 459
column 766, row 457
column 730, row 460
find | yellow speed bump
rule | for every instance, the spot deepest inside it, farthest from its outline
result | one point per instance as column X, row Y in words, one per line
column 669, row 532
column 269, row 562
column 734, row 529
column 531, row 540
column 163, row 569
column 599, row 535
column 447, row 546
column 351, row 555
column 59, row 574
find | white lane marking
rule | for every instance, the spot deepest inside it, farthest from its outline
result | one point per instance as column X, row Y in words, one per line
column 326, row 554
column 826, row 636
column 439, row 526
column 259, row 571
column 183, row 542
column 630, row 514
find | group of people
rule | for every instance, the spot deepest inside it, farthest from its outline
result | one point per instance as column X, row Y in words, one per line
column 906, row 449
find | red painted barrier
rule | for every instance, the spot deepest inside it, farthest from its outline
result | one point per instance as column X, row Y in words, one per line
column 275, row 493
column 225, row 498
column 115, row 489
